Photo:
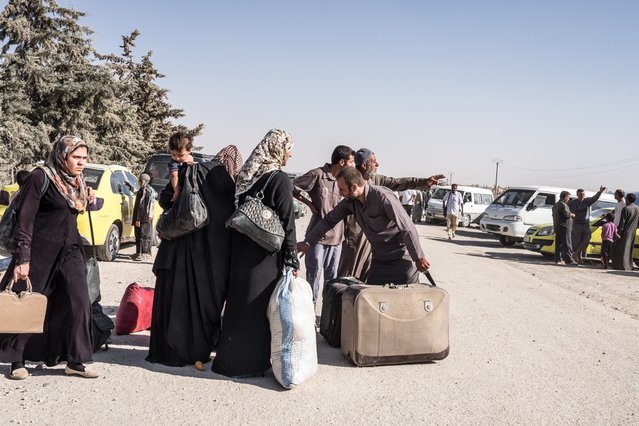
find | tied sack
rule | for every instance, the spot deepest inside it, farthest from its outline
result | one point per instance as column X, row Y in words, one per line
column 188, row 213
column 135, row 310
column 23, row 312
column 291, row 315
column 258, row 222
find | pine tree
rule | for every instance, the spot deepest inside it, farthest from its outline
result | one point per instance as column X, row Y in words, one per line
column 153, row 110
column 48, row 56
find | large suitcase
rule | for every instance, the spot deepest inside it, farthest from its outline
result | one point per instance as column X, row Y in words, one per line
column 394, row 324
column 331, row 322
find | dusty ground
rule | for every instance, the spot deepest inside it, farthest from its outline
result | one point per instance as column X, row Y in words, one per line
column 531, row 342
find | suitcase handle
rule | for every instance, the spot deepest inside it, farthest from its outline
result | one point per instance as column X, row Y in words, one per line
column 429, row 277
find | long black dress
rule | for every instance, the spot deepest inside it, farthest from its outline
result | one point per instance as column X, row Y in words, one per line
column 245, row 342
column 49, row 240
column 192, row 276
column 622, row 253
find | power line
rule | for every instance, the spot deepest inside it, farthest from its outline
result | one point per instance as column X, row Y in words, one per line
column 577, row 175
column 635, row 161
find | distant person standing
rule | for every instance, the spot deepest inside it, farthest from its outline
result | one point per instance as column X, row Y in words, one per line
column 562, row 219
column 622, row 258
column 143, row 213
column 407, row 197
column 453, row 206
column 608, row 236
column 418, row 208
column 621, row 203
column 581, row 226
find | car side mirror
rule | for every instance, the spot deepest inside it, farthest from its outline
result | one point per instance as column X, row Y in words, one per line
column 531, row 207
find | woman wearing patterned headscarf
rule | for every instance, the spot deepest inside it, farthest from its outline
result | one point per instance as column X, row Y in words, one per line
column 192, row 272
column 49, row 252
column 244, row 348
column 231, row 158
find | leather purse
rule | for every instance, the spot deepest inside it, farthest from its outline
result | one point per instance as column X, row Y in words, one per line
column 258, row 222
column 188, row 213
column 23, row 312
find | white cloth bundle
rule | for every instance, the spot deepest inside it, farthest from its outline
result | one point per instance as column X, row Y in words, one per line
column 292, row 320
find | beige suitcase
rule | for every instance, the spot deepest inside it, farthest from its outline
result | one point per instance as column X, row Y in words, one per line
column 394, row 324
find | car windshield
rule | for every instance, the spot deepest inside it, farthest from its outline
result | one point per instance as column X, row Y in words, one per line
column 158, row 169
column 92, row 177
column 439, row 193
column 514, row 197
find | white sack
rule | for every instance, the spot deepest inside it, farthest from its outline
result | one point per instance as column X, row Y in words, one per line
column 291, row 315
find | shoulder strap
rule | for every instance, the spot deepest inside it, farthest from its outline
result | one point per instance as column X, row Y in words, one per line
column 261, row 191
column 45, row 185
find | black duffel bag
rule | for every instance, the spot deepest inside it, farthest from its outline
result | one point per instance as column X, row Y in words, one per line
column 188, row 213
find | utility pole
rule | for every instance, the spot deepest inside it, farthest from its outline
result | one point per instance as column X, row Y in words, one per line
column 450, row 178
column 497, row 161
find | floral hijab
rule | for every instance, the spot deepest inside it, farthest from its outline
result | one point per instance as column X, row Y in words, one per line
column 267, row 156
column 72, row 188
column 231, row 159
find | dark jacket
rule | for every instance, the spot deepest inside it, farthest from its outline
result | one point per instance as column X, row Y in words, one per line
column 561, row 216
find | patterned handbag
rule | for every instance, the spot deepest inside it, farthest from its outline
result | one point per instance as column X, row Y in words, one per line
column 258, row 222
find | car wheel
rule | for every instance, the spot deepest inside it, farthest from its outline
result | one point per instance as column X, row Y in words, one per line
column 506, row 241
column 109, row 250
column 466, row 221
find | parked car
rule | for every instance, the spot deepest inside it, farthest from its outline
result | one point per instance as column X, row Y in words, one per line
column 541, row 238
column 475, row 202
column 115, row 188
column 158, row 168
column 518, row 208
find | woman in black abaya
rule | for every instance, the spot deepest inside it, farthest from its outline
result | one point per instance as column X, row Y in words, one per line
column 192, row 271
column 50, row 253
column 244, row 348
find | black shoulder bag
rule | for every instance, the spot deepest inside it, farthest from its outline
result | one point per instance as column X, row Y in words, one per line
column 258, row 222
column 188, row 213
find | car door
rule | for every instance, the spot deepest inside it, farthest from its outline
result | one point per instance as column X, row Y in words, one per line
column 539, row 209
column 121, row 186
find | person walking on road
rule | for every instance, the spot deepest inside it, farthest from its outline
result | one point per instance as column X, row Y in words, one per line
column 562, row 219
column 49, row 253
column 453, row 206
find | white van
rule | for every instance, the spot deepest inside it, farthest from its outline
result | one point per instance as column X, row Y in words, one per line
column 518, row 208
column 476, row 200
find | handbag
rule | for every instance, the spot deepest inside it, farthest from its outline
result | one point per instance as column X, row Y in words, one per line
column 258, row 222
column 23, row 312
column 188, row 213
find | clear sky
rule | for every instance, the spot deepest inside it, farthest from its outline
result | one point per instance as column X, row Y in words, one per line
column 549, row 87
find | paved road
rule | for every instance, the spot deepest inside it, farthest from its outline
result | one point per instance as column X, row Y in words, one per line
column 531, row 342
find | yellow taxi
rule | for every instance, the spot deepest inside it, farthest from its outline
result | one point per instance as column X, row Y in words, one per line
column 5, row 196
column 541, row 238
column 112, row 212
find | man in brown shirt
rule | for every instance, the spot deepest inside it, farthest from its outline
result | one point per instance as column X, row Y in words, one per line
column 392, row 234
column 355, row 260
column 321, row 186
